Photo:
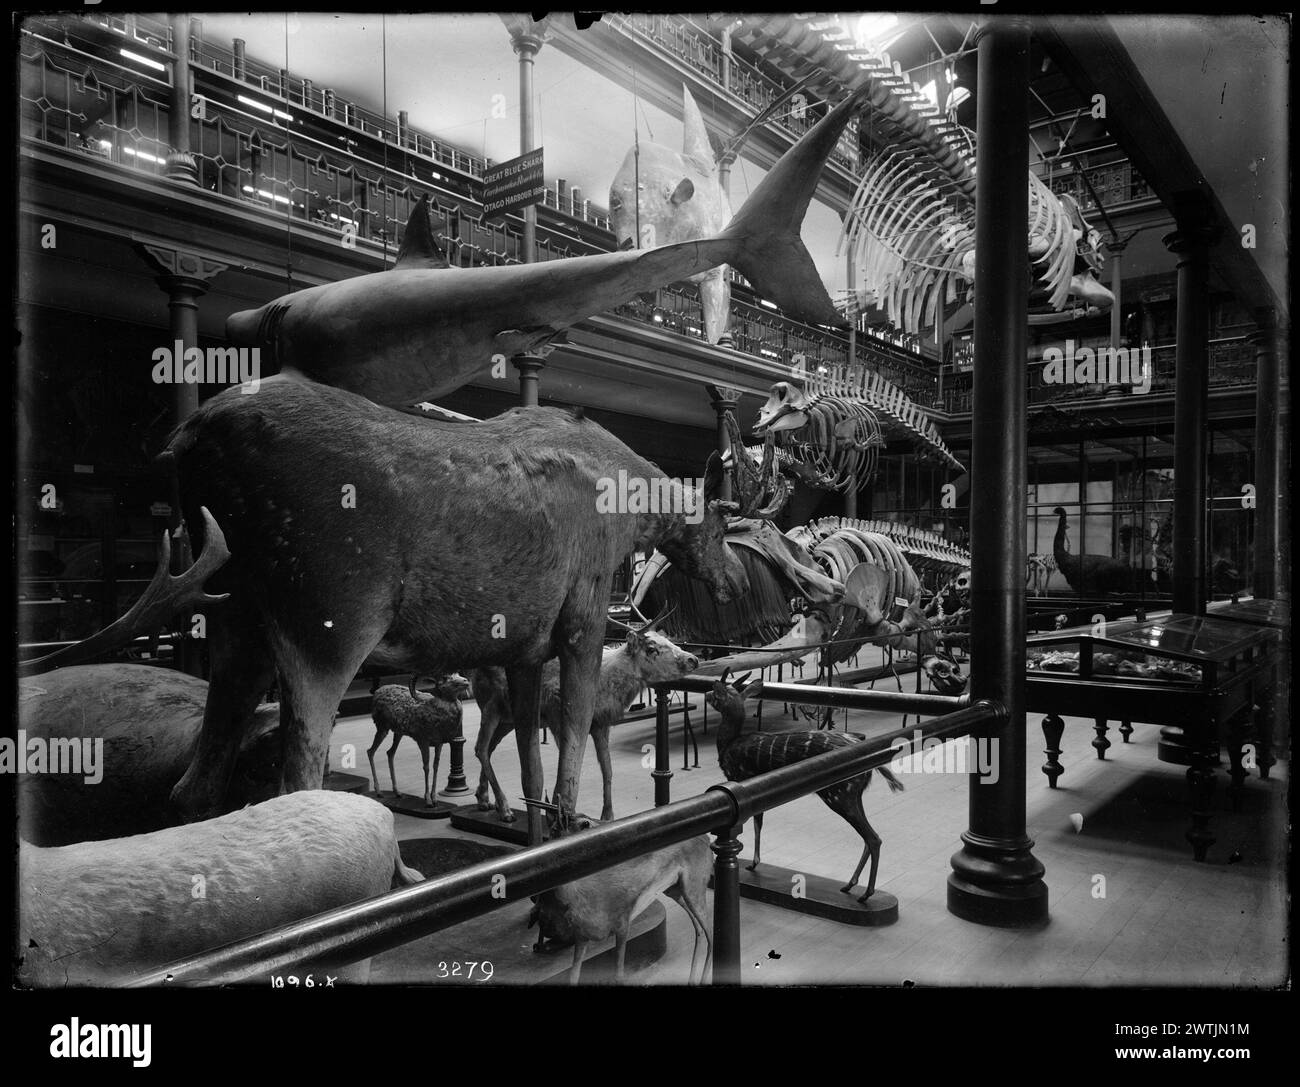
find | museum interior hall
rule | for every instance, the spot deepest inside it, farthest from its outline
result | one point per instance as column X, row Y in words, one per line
column 652, row 499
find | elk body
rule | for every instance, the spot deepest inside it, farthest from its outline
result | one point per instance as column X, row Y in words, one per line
column 589, row 909
column 645, row 658
column 430, row 722
column 361, row 533
column 742, row 757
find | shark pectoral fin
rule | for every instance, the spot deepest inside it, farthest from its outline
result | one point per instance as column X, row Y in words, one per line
column 534, row 338
column 419, row 248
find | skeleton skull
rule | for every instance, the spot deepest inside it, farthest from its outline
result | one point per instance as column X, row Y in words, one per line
column 945, row 673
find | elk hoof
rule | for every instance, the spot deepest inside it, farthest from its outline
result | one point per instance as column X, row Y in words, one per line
column 507, row 816
column 750, row 867
column 483, row 805
column 863, row 899
column 847, row 888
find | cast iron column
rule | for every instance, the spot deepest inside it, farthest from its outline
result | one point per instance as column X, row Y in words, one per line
column 996, row 879
column 1191, row 241
column 1116, row 251
column 1270, row 461
column 527, row 36
column 724, row 401
column 180, row 163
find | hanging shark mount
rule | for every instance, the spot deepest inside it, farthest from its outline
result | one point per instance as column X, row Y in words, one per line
column 422, row 329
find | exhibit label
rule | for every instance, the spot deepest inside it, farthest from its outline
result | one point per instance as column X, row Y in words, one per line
column 509, row 186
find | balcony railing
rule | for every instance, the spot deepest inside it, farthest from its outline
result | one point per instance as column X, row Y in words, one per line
column 97, row 108
column 691, row 44
column 1232, row 364
column 301, row 93
column 1114, row 183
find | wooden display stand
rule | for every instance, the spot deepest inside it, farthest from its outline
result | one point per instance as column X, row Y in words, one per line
column 818, row 896
column 405, row 804
column 489, row 825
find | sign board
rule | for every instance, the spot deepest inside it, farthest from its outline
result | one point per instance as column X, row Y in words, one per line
column 509, row 186
column 161, row 509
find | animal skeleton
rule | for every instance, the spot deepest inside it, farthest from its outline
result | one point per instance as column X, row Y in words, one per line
column 846, row 398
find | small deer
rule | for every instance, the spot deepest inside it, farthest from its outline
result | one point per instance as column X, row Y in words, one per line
column 603, row 904
column 744, row 757
column 430, row 722
column 645, row 658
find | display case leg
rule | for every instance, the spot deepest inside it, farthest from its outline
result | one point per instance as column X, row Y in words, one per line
column 1237, row 739
column 1101, row 743
column 1200, row 782
column 1053, row 730
column 1126, row 730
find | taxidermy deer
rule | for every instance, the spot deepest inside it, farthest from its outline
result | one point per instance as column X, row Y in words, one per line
column 361, row 533
column 743, row 757
column 644, row 659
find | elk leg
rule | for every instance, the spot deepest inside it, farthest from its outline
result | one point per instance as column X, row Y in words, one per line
column 686, row 896
column 492, row 730
column 579, row 674
column 380, row 733
column 431, row 799
column 392, row 772
column 525, row 683
column 600, row 737
column 242, row 669
column 758, row 838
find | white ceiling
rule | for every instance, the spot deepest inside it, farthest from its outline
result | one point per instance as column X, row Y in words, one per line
column 1223, row 82
column 445, row 71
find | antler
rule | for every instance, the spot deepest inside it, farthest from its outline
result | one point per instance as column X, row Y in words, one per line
column 162, row 598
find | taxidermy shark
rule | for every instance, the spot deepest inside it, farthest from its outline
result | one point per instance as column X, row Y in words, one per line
column 661, row 196
column 423, row 329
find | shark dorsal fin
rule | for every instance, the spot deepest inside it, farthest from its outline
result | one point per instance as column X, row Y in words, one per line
column 695, row 139
column 419, row 249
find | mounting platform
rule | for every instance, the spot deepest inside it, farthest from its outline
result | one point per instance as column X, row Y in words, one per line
column 819, row 896
column 488, row 824
column 414, row 805
column 338, row 782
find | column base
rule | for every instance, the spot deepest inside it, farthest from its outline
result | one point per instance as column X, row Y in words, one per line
column 996, row 883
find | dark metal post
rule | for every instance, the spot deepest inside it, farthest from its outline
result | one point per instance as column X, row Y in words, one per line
column 456, row 783
column 529, row 367
column 726, row 905
column 662, row 772
column 1272, row 558
column 180, row 163
column 1191, row 241
column 237, row 68
column 996, row 878
column 724, row 400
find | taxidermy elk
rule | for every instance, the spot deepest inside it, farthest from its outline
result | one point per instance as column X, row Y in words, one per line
column 361, row 533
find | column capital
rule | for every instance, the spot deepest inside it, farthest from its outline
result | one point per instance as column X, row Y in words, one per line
column 527, row 35
column 528, row 364
column 1191, row 240
column 722, row 398
column 180, row 268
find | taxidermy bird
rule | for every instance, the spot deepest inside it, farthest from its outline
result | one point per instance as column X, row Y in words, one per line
column 743, row 757
column 1097, row 574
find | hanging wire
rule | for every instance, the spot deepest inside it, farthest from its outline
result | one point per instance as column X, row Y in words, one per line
column 383, row 45
column 288, row 208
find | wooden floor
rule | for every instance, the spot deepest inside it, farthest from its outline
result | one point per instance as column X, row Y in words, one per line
column 1128, row 904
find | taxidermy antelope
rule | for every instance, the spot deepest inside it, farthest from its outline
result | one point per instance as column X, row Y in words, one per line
column 361, row 533
column 744, row 757
column 644, row 659
column 604, row 903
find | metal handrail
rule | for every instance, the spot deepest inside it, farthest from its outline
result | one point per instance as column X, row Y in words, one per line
column 357, row 931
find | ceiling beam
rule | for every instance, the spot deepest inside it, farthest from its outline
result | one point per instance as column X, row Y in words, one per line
column 1091, row 54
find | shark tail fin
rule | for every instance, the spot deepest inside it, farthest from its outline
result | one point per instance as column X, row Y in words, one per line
column 765, row 232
